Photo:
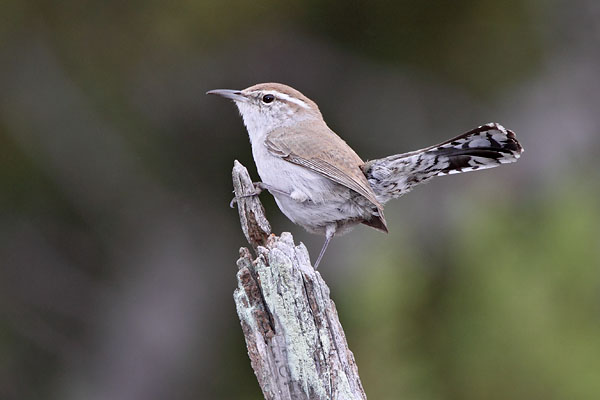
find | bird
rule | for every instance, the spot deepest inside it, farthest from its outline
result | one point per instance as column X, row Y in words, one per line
column 320, row 183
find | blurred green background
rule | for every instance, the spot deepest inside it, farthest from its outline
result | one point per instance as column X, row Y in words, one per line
column 118, row 248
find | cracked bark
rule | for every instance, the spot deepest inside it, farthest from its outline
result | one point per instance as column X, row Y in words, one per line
column 295, row 341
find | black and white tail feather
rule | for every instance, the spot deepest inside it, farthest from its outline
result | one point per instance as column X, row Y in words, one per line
column 485, row 147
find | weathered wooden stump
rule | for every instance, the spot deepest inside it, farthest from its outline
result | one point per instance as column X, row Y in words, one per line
column 295, row 341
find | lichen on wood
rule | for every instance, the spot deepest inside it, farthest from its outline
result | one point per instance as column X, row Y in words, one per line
column 295, row 341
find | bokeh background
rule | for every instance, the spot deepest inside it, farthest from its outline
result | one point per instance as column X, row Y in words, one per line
column 118, row 248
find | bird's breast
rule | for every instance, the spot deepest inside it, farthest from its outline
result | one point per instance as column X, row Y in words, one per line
column 326, row 201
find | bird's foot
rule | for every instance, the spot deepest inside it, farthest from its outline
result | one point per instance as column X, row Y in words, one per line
column 258, row 189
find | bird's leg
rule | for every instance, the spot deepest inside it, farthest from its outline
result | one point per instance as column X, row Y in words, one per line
column 260, row 186
column 329, row 232
column 258, row 189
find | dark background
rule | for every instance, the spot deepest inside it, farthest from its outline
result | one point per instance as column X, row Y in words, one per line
column 118, row 248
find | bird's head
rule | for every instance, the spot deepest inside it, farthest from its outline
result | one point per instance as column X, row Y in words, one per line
column 268, row 106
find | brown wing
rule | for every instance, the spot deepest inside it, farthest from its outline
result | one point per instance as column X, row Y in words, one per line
column 319, row 149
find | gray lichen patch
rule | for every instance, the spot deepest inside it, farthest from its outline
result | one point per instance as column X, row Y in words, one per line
column 307, row 350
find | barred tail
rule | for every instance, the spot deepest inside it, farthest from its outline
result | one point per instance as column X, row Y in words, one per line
column 485, row 147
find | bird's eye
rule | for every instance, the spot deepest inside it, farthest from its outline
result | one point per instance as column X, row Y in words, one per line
column 267, row 98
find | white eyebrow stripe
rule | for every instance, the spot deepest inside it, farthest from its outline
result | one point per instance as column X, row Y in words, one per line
column 291, row 99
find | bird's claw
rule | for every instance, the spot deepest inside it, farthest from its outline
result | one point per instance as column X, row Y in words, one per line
column 258, row 188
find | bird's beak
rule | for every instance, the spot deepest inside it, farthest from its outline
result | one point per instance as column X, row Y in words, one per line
column 234, row 95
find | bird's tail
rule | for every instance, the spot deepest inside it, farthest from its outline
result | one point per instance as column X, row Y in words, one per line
column 485, row 147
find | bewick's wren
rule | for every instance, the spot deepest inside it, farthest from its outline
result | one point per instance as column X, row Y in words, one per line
column 321, row 184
